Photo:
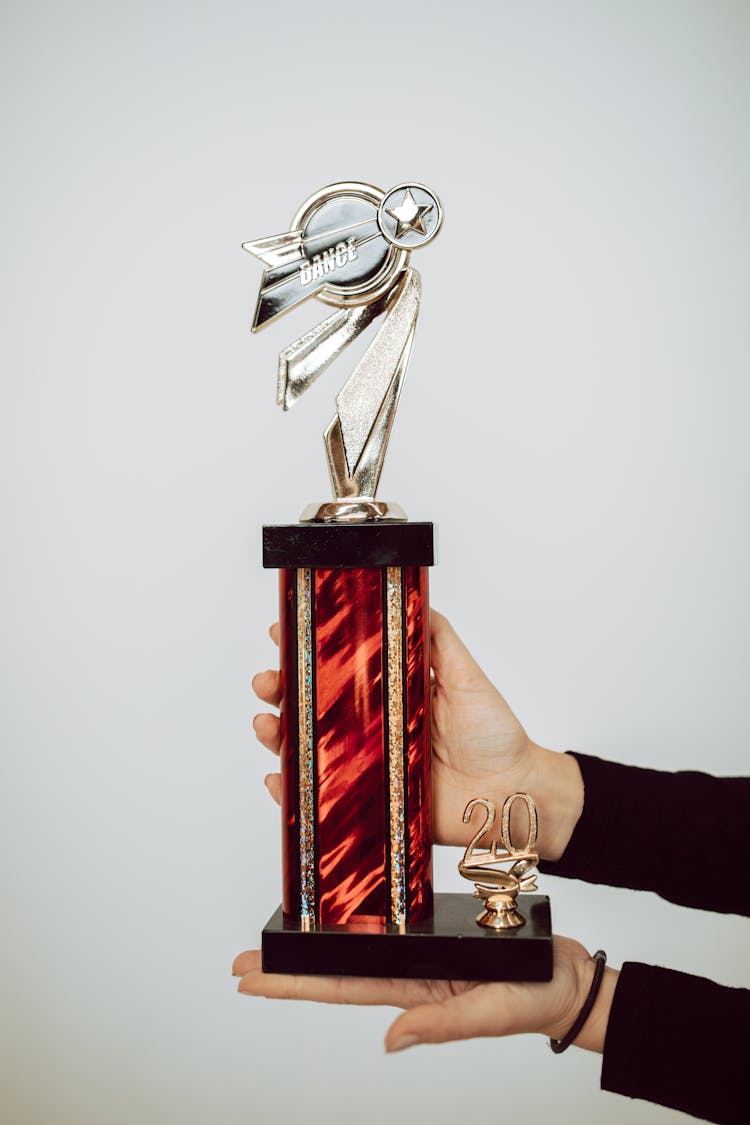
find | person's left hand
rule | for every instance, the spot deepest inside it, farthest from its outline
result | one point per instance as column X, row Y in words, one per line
column 439, row 1010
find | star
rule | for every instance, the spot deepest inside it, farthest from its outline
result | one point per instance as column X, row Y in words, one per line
column 409, row 215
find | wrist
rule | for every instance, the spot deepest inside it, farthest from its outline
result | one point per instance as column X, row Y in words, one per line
column 556, row 786
column 575, row 972
column 594, row 1032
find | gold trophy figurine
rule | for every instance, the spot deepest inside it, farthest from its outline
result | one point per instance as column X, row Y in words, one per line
column 498, row 877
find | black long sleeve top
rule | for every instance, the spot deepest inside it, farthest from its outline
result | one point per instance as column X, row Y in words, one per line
column 678, row 1040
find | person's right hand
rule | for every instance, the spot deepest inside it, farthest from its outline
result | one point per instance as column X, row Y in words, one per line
column 479, row 748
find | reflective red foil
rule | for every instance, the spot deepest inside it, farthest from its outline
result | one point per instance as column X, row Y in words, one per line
column 351, row 773
column 352, row 838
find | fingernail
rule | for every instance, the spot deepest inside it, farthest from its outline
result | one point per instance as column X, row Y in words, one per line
column 404, row 1042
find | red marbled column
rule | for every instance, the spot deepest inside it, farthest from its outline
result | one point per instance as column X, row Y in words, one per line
column 349, row 732
column 353, row 839
column 419, row 791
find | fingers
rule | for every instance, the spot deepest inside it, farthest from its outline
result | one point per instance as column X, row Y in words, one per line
column 268, row 731
column 273, row 785
column 451, row 660
column 246, row 961
column 267, row 686
column 325, row 990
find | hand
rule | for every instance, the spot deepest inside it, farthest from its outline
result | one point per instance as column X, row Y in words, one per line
column 438, row 1011
column 479, row 748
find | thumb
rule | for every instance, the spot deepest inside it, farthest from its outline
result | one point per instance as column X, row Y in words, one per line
column 479, row 1011
column 453, row 664
column 428, row 1023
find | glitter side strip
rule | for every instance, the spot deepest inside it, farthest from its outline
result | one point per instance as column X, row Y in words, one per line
column 306, row 746
column 419, row 901
column 396, row 778
column 289, row 749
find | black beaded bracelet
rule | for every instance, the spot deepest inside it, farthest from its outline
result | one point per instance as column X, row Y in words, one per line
column 560, row 1045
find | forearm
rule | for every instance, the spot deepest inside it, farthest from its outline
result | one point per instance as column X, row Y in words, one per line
column 627, row 814
column 679, row 1041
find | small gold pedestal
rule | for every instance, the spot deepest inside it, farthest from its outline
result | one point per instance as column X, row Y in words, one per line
column 500, row 911
column 498, row 877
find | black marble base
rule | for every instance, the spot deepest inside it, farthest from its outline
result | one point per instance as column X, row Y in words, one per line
column 451, row 947
column 377, row 543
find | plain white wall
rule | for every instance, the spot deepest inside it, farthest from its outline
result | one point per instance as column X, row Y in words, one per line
column 574, row 420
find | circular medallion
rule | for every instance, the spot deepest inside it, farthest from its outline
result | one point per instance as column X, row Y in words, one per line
column 409, row 216
column 343, row 242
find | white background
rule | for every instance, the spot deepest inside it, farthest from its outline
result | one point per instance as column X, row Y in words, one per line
column 574, row 421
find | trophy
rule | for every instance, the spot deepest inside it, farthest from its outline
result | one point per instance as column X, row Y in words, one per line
column 357, row 895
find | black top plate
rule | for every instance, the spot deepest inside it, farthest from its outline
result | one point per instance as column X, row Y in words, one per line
column 347, row 545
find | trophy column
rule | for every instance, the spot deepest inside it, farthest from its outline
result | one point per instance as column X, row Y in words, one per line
column 355, row 723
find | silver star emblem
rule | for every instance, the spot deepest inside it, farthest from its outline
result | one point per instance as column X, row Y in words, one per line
column 409, row 215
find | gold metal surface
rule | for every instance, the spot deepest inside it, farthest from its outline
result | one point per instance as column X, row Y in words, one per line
column 303, row 361
column 369, row 289
column 359, row 509
column 396, row 778
column 305, row 748
column 357, row 436
column 498, row 877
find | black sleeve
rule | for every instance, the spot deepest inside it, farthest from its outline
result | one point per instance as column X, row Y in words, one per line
column 683, row 835
column 680, row 1041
